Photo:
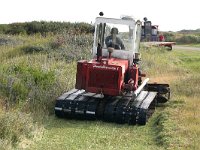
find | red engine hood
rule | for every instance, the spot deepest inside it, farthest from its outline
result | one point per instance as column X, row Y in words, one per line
column 112, row 62
column 107, row 76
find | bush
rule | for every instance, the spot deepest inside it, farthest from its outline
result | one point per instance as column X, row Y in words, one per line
column 28, row 87
column 33, row 48
column 3, row 28
column 188, row 39
column 16, row 28
column 169, row 36
column 71, row 47
column 44, row 27
column 8, row 40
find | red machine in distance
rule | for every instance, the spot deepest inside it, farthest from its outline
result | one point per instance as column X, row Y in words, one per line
column 110, row 87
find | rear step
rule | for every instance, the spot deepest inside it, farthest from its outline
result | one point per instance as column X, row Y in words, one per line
column 127, row 109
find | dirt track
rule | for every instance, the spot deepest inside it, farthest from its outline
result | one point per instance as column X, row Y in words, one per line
column 186, row 47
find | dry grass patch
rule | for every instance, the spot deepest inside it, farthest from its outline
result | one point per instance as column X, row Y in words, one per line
column 164, row 78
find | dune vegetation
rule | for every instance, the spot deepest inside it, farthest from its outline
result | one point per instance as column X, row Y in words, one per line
column 35, row 69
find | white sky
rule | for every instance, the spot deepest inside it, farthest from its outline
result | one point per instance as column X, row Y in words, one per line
column 170, row 15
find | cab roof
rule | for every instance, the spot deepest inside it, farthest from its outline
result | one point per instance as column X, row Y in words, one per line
column 130, row 22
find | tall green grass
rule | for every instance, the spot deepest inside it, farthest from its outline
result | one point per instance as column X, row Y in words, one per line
column 32, row 75
column 156, row 61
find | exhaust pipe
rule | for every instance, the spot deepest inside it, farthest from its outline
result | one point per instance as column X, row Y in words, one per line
column 99, row 52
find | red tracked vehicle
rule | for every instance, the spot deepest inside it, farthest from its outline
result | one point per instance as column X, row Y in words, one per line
column 110, row 87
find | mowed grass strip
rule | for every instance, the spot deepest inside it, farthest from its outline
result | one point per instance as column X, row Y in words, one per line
column 93, row 135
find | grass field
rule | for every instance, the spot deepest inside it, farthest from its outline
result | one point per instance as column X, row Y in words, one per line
column 35, row 70
column 191, row 45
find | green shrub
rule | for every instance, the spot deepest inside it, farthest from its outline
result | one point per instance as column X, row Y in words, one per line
column 71, row 47
column 188, row 39
column 33, row 48
column 3, row 28
column 44, row 27
column 16, row 28
column 169, row 36
column 33, row 81
column 9, row 40
column 26, row 83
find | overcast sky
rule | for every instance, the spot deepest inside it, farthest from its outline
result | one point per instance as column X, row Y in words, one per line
column 170, row 15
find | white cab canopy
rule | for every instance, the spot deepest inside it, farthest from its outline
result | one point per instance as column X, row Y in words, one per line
column 127, row 37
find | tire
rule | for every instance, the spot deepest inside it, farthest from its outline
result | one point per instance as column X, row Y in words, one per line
column 169, row 47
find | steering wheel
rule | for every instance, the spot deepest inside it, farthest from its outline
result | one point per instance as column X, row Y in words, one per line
column 114, row 45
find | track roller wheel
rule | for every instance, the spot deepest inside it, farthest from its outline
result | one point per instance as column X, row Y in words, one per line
column 100, row 109
column 59, row 114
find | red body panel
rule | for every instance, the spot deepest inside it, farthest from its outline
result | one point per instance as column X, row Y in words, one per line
column 106, row 77
column 81, row 74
